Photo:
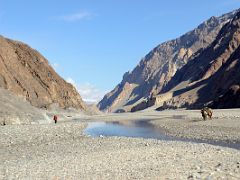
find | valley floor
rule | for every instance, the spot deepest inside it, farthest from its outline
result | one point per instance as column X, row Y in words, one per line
column 62, row 151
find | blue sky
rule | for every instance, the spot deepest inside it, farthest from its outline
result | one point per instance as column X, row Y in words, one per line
column 92, row 43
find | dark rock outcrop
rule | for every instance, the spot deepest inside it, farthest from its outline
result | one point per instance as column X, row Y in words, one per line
column 231, row 99
column 25, row 72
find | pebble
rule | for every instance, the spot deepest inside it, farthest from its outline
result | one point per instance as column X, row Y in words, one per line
column 217, row 169
column 219, row 164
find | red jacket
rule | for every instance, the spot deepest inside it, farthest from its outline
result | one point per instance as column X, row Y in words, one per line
column 55, row 118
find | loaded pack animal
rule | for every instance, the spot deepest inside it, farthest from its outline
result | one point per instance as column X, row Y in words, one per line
column 206, row 112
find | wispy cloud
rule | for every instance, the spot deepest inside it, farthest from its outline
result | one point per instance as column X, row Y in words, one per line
column 57, row 67
column 88, row 92
column 79, row 16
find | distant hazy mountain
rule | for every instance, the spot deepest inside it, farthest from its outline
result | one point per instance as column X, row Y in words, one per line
column 25, row 72
column 158, row 67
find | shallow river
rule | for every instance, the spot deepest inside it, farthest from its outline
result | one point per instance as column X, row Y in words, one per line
column 140, row 129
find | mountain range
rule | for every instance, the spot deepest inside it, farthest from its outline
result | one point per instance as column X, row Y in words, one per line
column 191, row 71
column 211, row 72
column 200, row 68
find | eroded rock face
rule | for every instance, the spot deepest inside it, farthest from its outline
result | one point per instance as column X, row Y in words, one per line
column 212, row 73
column 158, row 67
column 25, row 72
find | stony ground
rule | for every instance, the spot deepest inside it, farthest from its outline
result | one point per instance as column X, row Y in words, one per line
column 62, row 151
column 224, row 126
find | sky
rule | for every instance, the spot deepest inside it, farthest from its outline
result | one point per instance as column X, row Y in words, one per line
column 92, row 43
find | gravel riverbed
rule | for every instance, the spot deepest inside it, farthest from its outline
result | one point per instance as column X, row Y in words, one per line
column 62, row 151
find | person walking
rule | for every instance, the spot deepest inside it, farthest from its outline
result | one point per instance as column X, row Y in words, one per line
column 55, row 118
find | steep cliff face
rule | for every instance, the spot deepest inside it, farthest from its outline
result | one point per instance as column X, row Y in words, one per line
column 25, row 72
column 212, row 74
column 158, row 67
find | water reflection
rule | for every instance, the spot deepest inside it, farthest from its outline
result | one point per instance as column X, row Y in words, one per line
column 141, row 129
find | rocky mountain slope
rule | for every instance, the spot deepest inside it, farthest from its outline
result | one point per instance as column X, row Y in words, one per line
column 158, row 67
column 26, row 73
column 212, row 74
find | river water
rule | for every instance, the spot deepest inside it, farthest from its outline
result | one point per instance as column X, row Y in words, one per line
column 141, row 129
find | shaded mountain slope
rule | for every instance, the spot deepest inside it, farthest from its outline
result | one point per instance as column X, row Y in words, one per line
column 230, row 99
